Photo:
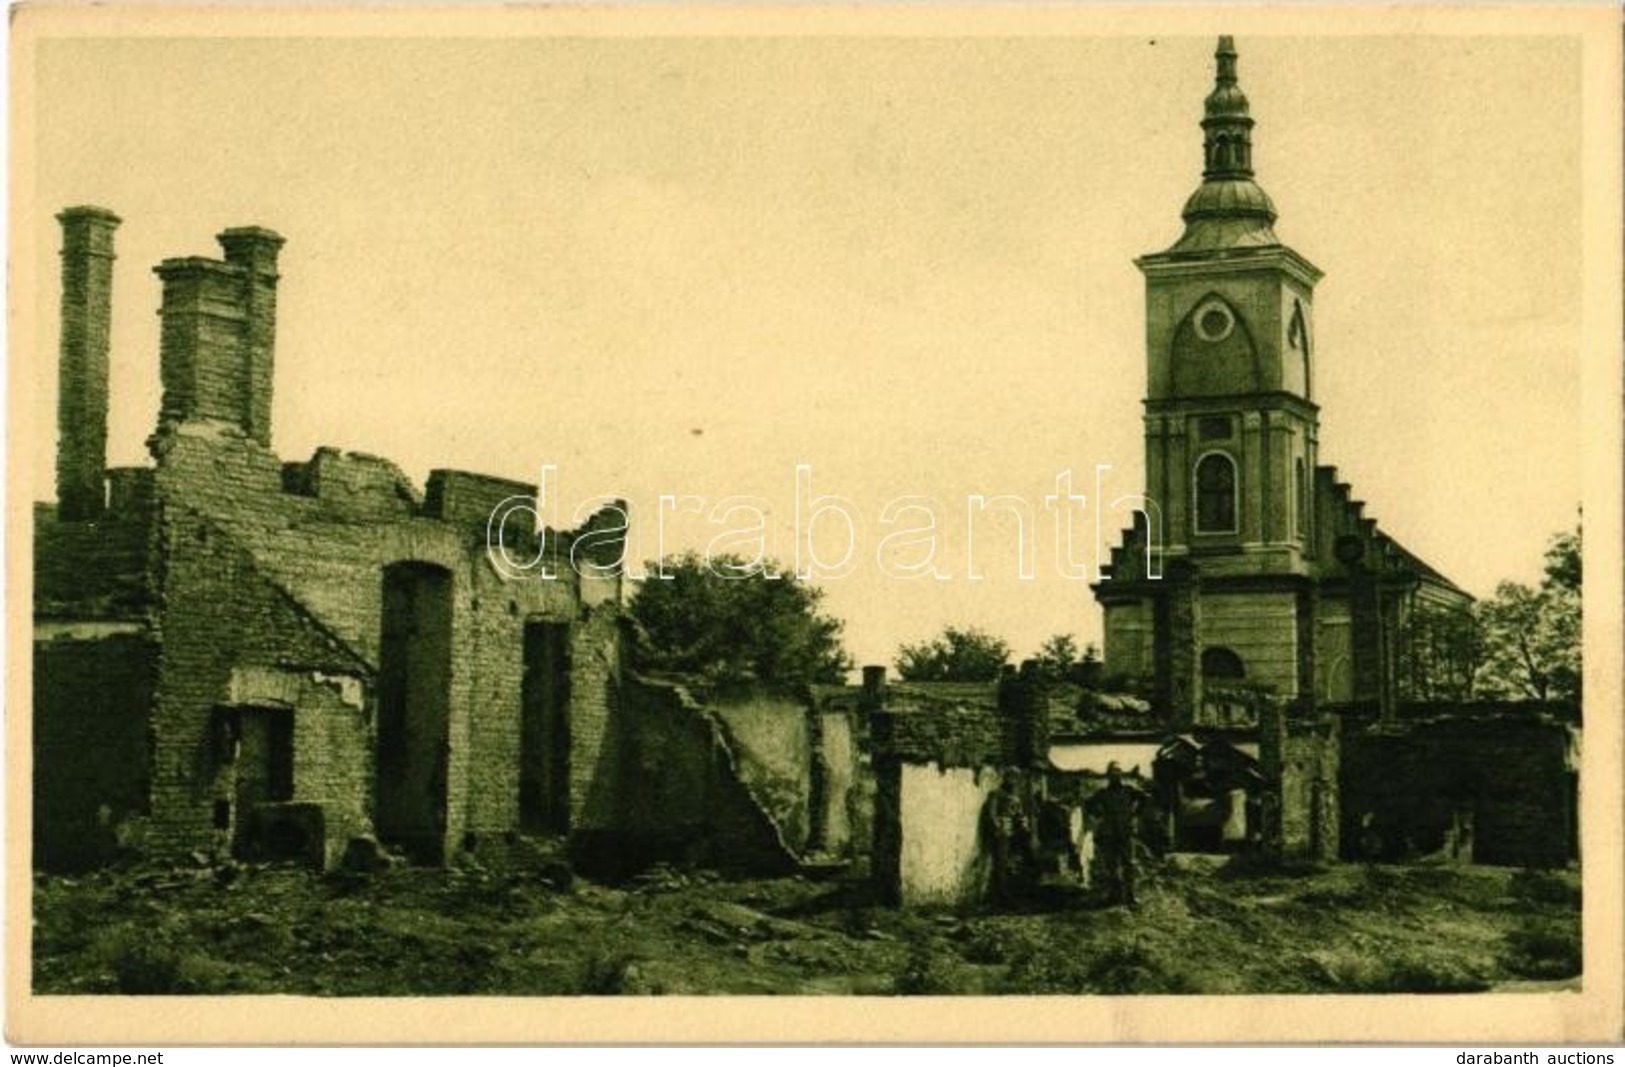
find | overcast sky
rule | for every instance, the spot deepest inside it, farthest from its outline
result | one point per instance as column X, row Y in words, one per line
column 686, row 265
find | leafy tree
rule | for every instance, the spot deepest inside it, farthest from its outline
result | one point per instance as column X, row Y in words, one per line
column 955, row 655
column 1440, row 651
column 726, row 623
column 1060, row 661
column 1563, row 566
column 1058, row 657
column 1531, row 636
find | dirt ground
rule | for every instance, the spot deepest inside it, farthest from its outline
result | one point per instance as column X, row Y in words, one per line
column 1203, row 925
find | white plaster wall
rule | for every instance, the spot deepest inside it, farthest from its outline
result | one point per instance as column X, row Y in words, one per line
column 841, row 768
column 943, row 860
column 1097, row 756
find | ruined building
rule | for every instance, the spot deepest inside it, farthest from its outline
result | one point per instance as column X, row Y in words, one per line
column 276, row 657
column 282, row 659
column 1255, row 565
column 237, row 654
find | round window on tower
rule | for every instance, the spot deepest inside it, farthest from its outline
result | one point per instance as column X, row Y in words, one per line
column 1214, row 321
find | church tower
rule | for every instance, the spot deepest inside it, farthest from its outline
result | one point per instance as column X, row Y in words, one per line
column 1230, row 417
column 1230, row 432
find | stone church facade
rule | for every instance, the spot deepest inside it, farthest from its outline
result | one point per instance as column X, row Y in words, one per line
column 1253, row 564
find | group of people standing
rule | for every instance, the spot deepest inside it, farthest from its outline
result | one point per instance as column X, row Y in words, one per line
column 1090, row 841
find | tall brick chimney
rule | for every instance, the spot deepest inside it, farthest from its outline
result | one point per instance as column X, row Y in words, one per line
column 81, row 412
column 255, row 250
column 219, row 334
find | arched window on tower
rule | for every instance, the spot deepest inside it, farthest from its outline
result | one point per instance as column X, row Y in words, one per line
column 1215, row 494
column 1222, row 665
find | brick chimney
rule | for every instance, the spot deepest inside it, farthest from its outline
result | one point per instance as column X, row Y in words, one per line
column 219, row 334
column 255, row 250
column 81, row 413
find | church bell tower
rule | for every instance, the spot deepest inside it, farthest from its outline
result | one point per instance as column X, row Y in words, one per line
column 1230, row 440
column 1230, row 420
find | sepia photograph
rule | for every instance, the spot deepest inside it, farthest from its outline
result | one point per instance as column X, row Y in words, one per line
column 995, row 523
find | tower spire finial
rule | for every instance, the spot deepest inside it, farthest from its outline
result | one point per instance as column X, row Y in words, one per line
column 1226, row 57
column 1227, row 148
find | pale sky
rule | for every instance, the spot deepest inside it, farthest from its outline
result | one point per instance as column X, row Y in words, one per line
column 685, row 265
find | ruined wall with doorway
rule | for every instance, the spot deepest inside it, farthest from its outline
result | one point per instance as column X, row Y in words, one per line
column 330, row 646
column 221, row 617
column 299, row 773
column 404, row 599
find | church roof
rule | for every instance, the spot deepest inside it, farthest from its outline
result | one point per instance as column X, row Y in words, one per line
column 1350, row 518
column 1421, row 568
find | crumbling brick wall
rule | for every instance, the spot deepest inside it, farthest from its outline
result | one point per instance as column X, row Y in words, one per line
column 250, row 562
column 332, row 733
column 324, row 532
column 1300, row 759
column 1309, row 802
column 221, row 615
column 1511, row 776
column 596, row 709
column 243, row 566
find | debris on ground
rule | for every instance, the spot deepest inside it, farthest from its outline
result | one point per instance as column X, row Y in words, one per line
column 518, row 922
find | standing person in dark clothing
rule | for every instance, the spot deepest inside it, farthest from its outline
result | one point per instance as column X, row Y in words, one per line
column 1116, row 809
column 1009, row 831
column 997, row 829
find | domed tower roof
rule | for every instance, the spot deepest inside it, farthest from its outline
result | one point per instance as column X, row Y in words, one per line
column 1229, row 209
